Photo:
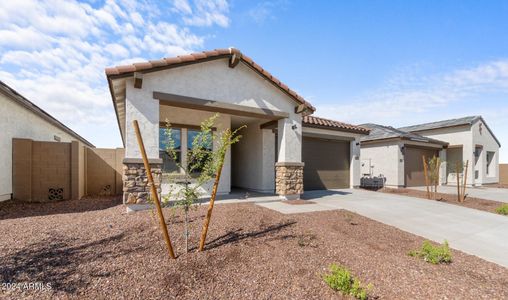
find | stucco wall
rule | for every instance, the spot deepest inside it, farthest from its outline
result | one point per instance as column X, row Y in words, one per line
column 469, row 137
column 212, row 80
column 384, row 159
column 488, row 142
column 254, row 159
column 19, row 122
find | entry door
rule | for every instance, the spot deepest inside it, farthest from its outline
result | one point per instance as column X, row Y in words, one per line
column 327, row 164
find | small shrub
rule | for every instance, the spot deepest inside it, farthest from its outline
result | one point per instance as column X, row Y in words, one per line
column 502, row 210
column 340, row 279
column 433, row 254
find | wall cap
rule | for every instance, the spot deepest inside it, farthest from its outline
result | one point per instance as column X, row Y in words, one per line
column 154, row 161
column 289, row 164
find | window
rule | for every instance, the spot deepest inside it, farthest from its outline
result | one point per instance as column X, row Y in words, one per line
column 490, row 166
column 169, row 165
column 206, row 147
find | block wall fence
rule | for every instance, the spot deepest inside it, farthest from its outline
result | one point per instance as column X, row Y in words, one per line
column 49, row 171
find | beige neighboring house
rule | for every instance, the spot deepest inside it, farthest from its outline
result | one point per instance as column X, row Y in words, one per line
column 284, row 148
column 470, row 139
column 22, row 119
column 395, row 156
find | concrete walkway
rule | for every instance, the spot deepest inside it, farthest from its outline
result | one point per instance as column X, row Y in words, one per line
column 488, row 193
column 472, row 231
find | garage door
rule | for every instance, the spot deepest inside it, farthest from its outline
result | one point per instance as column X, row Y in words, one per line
column 326, row 164
column 413, row 165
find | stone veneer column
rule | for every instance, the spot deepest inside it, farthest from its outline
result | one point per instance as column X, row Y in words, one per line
column 289, row 179
column 135, row 182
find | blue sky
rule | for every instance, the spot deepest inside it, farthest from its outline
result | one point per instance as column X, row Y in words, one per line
column 389, row 62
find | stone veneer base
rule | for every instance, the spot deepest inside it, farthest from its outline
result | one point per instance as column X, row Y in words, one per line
column 135, row 182
column 289, row 179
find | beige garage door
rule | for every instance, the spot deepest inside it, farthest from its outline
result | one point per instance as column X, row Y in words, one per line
column 326, row 164
column 413, row 165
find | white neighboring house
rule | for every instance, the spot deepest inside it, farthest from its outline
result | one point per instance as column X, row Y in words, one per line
column 395, row 157
column 284, row 149
column 20, row 118
column 470, row 139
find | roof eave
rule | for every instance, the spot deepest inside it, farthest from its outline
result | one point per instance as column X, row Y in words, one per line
column 336, row 128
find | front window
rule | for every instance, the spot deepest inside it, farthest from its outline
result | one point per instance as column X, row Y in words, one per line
column 170, row 163
column 194, row 139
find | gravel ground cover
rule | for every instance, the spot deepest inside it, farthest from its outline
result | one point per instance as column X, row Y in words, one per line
column 252, row 253
column 471, row 202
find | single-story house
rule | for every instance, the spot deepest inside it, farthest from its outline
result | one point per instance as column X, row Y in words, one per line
column 470, row 139
column 284, row 149
column 22, row 119
column 396, row 156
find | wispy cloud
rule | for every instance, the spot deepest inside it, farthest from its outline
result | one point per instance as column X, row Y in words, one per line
column 55, row 52
column 265, row 10
column 203, row 12
column 407, row 94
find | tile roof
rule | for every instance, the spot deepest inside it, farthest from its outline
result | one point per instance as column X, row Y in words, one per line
column 312, row 121
column 380, row 132
column 160, row 64
column 441, row 124
column 20, row 99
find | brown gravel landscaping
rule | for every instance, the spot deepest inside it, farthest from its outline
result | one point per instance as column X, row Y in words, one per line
column 471, row 202
column 252, row 253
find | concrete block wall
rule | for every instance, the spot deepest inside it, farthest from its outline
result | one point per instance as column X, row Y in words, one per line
column 104, row 169
column 43, row 171
column 46, row 171
column 503, row 173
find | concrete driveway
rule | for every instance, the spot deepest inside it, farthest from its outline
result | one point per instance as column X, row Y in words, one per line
column 472, row 231
column 488, row 193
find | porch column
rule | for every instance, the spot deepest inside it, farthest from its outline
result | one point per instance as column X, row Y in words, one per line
column 443, row 176
column 289, row 165
column 140, row 106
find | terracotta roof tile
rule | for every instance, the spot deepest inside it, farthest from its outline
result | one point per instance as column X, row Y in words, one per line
column 201, row 56
column 312, row 121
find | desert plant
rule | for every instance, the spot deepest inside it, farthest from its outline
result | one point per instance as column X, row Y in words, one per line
column 202, row 165
column 502, row 210
column 339, row 278
column 431, row 169
column 433, row 254
column 226, row 140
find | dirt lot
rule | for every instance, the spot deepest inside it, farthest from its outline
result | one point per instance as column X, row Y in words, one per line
column 252, row 253
column 471, row 202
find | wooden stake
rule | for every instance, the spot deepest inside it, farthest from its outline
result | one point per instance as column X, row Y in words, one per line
column 153, row 189
column 425, row 172
column 457, row 169
column 210, row 206
column 464, row 182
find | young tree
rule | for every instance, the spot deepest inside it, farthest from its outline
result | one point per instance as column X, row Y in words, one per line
column 202, row 165
column 431, row 169
column 434, row 166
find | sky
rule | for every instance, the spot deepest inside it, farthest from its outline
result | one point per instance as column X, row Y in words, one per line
column 389, row 62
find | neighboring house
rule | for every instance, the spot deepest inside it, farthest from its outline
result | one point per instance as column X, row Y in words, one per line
column 396, row 156
column 470, row 139
column 283, row 149
column 20, row 118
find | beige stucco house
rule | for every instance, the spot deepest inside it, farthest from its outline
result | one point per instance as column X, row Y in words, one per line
column 22, row 119
column 470, row 139
column 284, row 149
column 395, row 154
